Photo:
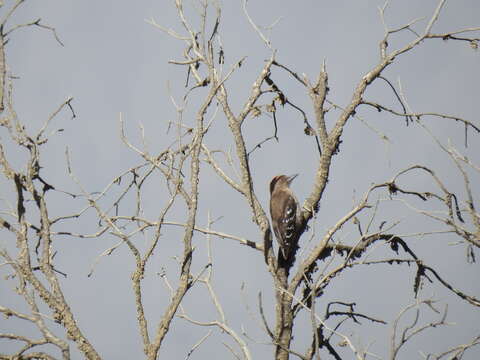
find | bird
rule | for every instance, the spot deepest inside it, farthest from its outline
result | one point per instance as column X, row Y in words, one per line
column 285, row 213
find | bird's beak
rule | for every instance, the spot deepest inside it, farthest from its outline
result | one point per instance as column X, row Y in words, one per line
column 290, row 178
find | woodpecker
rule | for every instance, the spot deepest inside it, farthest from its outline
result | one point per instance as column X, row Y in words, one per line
column 285, row 213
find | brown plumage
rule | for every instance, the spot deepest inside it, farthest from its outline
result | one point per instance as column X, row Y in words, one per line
column 285, row 213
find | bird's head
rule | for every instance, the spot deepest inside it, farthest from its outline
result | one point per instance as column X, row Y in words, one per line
column 281, row 180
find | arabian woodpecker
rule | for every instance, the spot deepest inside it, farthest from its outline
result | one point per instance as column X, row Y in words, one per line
column 285, row 213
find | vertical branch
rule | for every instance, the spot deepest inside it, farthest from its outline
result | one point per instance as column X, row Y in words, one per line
column 235, row 124
column 318, row 94
column 2, row 69
column 186, row 261
column 52, row 296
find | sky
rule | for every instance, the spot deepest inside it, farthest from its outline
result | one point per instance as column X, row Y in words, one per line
column 114, row 64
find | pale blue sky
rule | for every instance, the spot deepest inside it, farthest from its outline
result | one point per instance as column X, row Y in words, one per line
column 114, row 62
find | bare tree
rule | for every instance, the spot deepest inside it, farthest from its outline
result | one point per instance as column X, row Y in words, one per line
column 298, row 283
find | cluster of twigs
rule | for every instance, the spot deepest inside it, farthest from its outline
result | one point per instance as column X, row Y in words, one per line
column 297, row 288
